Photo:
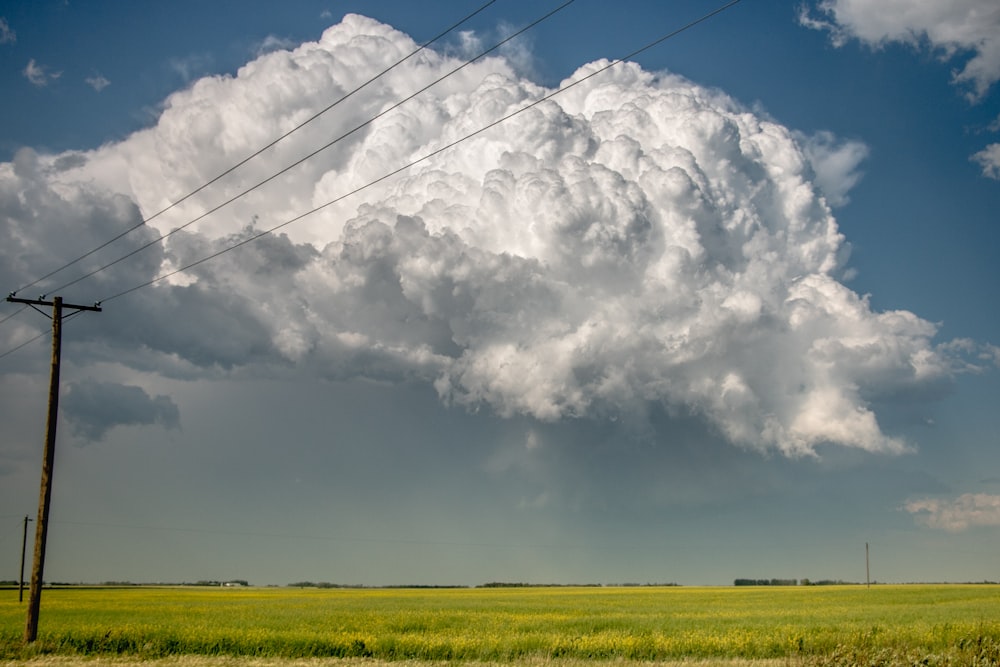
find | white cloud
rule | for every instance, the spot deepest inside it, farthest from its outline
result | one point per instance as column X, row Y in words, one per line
column 274, row 43
column 637, row 241
column 97, row 82
column 39, row 75
column 957, row 514
column 989, row 160
column 7, row 35
column 191, row 66
column 44, row 217
column 835, row 164
column 954, row 29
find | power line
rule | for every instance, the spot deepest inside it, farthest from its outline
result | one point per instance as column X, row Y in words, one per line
column 287, row 168
column 428, row 156
column 424, row 158
column 244, row 161
column 24, row 344
column 14, row 314
column 10, row 317
column 41, row 334
column 315, row 152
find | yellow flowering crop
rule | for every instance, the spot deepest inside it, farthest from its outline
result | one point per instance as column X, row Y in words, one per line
column 508, row 624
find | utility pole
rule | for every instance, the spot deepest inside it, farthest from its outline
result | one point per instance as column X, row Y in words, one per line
column 868, row 572
column 45, row 493
column 24, row 544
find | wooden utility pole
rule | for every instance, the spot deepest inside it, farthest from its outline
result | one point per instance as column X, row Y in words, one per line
column 868, row 572
column 24, row 544
column 48, row 458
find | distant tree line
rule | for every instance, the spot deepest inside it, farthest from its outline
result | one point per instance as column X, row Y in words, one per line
column 506, row 584
column 518, row 584
column 318, row 584
column 794, row 582
column 637, row 585
column 327, row 584
column 122, row 584
column 766, row 582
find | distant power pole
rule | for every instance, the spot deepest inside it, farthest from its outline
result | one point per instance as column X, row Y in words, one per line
column 868, row 572
column 45, row 494
column 24, row 544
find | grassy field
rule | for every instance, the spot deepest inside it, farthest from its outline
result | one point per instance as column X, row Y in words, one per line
column 842, row 625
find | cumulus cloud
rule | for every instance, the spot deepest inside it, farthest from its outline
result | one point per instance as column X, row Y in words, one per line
column 46, row 218
column 636, row 242
column 7, row 34
column 835, row 164
column 39, row 75
column 957, row 514
column 989, row 160
column 94, row 408
column 954, row 29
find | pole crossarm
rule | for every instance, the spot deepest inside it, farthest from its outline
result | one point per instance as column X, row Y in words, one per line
column 42, row 302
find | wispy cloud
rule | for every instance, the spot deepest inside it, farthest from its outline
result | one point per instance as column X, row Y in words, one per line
column 97, row 82
column 989, row 160
column 192, row 66
column 273, row 43
column 958, row 514
column 835, row 164
column 39, row 75
column 7, row 35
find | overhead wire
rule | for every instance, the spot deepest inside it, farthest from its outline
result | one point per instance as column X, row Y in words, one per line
column 430, row 155
column 317, row 151
column 412, row 163
column 25, row 343
column 272, row 177
column 42, row 333
column 247, row 159
column 14, row 314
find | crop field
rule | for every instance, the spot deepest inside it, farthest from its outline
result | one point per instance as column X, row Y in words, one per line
column 814, row 625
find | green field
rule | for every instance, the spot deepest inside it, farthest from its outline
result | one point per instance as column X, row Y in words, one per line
column 946, row 624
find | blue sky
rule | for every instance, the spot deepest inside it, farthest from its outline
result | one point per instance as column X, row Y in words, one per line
column 284, row 414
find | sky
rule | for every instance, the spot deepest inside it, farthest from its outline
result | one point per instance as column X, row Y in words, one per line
column 724, row 310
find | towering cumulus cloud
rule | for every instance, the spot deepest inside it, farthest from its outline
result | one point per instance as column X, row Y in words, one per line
column 635, row 241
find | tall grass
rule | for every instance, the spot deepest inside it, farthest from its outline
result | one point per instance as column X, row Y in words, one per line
column 509, row 624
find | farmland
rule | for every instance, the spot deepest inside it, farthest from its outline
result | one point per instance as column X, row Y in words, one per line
column 946, row 624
